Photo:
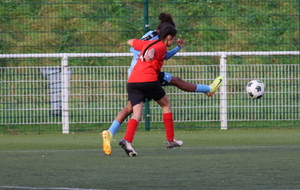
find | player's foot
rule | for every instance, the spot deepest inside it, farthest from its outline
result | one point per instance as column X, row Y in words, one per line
column 127, row 147
column 215, row 86
column 174, row 143
column 107, row 137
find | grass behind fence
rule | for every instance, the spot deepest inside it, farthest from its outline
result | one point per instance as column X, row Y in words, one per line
column 234, row 159
column 105, row 26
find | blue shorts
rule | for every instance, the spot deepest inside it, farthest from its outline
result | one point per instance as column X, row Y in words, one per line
column 164, row 78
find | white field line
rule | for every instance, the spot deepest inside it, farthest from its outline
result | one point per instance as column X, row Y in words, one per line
column 186, row 148
column 57, row 188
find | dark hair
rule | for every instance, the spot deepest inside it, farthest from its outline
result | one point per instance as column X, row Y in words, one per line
column 165, row 18
column 164, row 32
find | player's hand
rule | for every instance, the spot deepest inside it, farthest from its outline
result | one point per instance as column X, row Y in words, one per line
column 179, row 42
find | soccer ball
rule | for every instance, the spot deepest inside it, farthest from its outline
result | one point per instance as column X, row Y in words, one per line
column 256, row 89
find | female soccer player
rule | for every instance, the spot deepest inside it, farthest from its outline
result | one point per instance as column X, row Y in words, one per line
column 143, row 84
column 164, row 78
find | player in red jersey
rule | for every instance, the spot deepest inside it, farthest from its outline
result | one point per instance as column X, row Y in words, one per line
column 143, row 84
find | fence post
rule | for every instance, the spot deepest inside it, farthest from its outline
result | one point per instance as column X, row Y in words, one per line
column 223, row 93
column 146, row 29
column 146, row 16
column 65, row 94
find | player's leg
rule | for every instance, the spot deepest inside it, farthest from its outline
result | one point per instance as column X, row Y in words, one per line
column 136, row 98
column 132, row 125
column 168, row 122
column 209, row 90
column 115, row 126
column 181, row 84
column 120, row 118
column 189, row 87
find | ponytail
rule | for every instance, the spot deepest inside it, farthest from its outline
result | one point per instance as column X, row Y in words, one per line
column 165, row 18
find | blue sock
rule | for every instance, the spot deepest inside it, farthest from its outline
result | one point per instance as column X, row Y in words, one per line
column 202, row 88
column 114, row 127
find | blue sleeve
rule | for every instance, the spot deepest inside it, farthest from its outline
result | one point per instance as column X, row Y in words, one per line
column 172, row 52
column 132, row 50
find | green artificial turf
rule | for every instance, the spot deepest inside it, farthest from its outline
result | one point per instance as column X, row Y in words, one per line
column 232, row 159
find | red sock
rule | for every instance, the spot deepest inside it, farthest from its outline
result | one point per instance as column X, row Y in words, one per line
column 130, row 131
column 169, row 125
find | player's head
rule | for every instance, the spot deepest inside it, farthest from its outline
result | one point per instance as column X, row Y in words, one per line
column 165, row 18
column 167, row 35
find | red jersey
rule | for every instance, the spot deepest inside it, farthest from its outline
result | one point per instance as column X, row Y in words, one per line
column 147, row 71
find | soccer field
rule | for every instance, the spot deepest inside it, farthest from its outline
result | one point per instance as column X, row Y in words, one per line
column 232, row 159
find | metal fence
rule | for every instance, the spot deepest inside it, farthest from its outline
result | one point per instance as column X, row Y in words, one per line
column 82, row 95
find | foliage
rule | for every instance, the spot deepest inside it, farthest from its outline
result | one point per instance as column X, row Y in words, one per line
column 104, row 26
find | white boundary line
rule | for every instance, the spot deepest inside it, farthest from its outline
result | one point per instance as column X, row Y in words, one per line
column 20, row 187
column 185, row 148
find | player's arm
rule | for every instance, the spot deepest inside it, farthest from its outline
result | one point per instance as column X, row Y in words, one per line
column 136, row 44
column 130, row 42
column 148, row 36
column 172, row 52
column 151, row 35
